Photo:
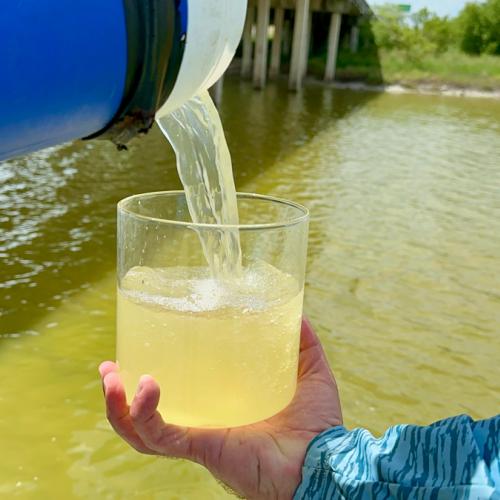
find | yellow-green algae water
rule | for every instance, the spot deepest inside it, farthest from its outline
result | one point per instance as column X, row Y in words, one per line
column 403, row 280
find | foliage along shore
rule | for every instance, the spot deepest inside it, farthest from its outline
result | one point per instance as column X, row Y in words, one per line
column 450, row 72
column 424, row 51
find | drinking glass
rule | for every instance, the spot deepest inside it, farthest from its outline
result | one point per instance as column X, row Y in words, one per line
column 223, row 347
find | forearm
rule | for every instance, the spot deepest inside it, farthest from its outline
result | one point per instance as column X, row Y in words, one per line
column 455, row 458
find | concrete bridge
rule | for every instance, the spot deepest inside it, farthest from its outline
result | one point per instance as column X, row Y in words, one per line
column 292, row 36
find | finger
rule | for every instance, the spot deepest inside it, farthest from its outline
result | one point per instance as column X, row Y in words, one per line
column 107, row 367
column 118, row 412
column 308, row 337
column 165, row 439
column 116, row 400
column 104, row 369
column 312, row 359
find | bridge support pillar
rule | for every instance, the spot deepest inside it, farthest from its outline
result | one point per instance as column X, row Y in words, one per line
column 299, row 45
column 246, row 61
column 279, row 18
column 308, row 46
column 261, row 44
column 354, row 41
column 333, row 46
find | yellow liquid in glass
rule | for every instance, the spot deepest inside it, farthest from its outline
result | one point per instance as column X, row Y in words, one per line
column 224, row 354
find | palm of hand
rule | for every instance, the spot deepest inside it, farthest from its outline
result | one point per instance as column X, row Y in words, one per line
column 262, row 460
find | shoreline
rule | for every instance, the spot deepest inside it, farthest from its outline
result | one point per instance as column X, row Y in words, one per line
column 412, row 87
column 419, row 88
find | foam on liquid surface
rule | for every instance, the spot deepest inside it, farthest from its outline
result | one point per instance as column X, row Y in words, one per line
column 194, row 290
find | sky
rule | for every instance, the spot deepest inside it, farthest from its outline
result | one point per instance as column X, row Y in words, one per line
column 441, row 7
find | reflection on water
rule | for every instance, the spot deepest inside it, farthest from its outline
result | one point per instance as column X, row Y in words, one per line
column 402, row 282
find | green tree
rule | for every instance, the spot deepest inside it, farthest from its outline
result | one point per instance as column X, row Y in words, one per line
column 475, row 31
column 421, row 17
column 480, row 28
column 389, row 27
column 491, row 24
column 472, row 27
column 392, row 31
column 439, row 32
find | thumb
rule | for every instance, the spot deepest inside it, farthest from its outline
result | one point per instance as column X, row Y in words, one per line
column 165, row 439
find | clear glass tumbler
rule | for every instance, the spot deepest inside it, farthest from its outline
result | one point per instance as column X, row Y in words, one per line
column 224, row 349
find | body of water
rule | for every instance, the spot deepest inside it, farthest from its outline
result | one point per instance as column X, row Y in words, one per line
column 402, row 285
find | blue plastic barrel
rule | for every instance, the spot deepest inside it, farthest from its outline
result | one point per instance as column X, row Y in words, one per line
column 63, row 68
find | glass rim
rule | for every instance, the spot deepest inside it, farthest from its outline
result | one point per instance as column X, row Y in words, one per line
column 292, row 221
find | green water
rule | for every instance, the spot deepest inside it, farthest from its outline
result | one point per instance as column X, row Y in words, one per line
column 402, row 280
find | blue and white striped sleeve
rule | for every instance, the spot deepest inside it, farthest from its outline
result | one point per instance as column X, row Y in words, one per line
column 453, row 459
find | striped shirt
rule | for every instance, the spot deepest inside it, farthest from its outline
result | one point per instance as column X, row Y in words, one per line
column 453, row 459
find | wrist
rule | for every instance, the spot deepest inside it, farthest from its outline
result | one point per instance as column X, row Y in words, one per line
column 293, row 468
